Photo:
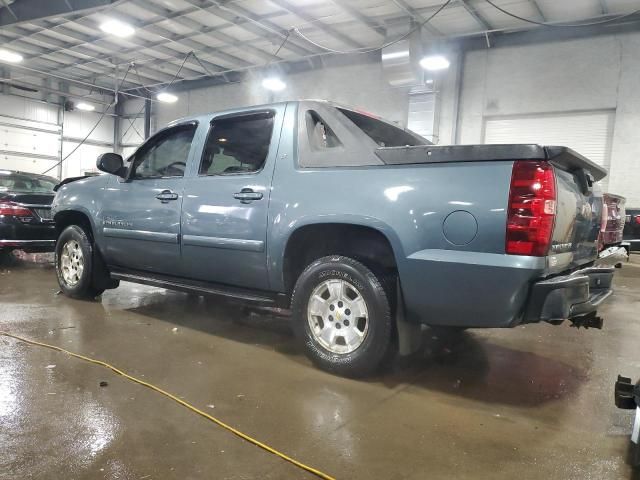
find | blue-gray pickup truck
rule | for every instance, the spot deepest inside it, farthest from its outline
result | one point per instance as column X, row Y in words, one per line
column 359, row 227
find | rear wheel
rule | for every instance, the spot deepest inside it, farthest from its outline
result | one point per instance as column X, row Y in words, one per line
column 342, row 315
column 76, row 266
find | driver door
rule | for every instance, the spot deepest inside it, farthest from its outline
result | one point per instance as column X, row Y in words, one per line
column 141, row 215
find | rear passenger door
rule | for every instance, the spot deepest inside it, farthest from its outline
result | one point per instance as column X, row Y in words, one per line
column 225, row 207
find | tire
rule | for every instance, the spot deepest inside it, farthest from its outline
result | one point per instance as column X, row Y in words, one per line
column 75, row 262
column 337, row 333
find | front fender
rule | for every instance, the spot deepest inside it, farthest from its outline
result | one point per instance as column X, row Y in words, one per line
column 84, row 197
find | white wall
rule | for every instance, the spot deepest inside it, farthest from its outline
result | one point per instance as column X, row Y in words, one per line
column 599, row 73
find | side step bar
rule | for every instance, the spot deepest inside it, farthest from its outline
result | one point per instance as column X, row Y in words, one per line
column 199, row 288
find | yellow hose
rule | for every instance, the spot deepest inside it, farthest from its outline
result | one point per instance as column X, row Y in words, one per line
column 218, row 422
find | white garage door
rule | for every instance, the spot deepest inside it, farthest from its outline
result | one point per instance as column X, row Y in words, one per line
column 589, row 133
column 28, row 145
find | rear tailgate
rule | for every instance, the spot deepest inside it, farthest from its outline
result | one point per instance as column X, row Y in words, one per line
column 579, row 209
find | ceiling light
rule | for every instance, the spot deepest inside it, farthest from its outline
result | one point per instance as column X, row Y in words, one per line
column 274, row 84
column 434, row 62
column 167, row 97
column 7, row 56
column 222, row 140
column 117, row 28
column 85, row 106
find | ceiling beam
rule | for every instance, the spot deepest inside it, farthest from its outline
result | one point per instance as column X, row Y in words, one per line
column 62, row 61
column 213, row 32
column 417, row 17
column 245, row 19
column 167, row 36
column 80, row 49
column 44, row 88
column 355, row 13
column 603, row 7
column 24, row 11
column 471, row 10
column 327, row 29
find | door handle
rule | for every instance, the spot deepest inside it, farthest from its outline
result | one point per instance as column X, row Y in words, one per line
column 167, row 195
column 247, row 195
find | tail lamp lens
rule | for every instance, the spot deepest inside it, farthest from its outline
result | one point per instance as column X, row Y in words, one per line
column 14, row 210
column 532, row 208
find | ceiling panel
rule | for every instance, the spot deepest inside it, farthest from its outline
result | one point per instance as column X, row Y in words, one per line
column 240, row 33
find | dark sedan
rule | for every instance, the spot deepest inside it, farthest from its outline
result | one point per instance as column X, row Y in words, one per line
column 25, row 212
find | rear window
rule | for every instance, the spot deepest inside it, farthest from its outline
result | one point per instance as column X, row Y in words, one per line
column 383, row 133
column 27, row 184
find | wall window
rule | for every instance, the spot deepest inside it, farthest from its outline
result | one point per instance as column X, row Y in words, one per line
column 164, row 155
column 237, row 144
column 321, row 137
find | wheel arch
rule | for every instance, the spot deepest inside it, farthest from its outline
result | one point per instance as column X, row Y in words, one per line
column 314, row 238
column 79, row 217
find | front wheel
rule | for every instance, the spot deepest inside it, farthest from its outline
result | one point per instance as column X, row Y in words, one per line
column 342, row 315
column 74, row 264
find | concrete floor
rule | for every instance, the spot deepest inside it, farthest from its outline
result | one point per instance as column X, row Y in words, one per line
column 533, row 402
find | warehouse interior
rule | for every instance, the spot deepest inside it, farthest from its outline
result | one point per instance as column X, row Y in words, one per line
column 82, row 78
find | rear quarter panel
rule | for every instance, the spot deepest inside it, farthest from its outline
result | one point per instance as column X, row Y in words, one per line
column 445, row 222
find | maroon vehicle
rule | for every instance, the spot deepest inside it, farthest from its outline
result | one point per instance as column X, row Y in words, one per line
column 612, row 250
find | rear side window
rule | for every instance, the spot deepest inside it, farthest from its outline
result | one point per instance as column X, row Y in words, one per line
column 321, row 137
column 237, row 144
column 383, row 133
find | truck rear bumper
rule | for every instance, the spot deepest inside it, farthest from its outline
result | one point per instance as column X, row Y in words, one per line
column 570, row 296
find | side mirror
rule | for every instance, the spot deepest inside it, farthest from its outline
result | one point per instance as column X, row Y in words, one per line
column 111, row 163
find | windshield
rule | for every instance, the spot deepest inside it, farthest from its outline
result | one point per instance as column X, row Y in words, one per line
column 24, row 183
column 383, row 133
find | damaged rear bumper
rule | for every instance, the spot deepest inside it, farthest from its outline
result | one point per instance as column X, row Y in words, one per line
column 574, row 297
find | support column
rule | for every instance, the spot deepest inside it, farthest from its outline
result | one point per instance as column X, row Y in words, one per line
column 147, row 118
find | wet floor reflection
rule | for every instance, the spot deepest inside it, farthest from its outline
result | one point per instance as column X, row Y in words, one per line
column 530, row 400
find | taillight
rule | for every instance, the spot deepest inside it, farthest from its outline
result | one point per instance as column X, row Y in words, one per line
column 638, row 219
column 14, row 209
column 532, row 208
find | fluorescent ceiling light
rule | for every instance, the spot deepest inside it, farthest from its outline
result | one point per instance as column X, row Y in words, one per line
column 117, row 28
column 12, row 57
column 274, row 84
column 395, row 55
column 434, row 62
column 85, row 106
column 167, row 97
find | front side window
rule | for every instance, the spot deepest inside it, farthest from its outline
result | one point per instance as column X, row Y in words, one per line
column 237, row 144
column 165, row 155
